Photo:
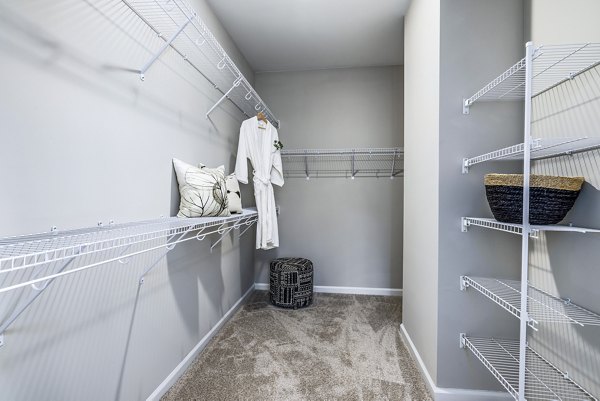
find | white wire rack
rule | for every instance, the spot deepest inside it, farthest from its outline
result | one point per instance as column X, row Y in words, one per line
column 543, row 380
column 348, row 163
column 32, row 259
column 182, row 30
column 540, row 149
column 552, row 65
column 493, row 224
column 542, row 307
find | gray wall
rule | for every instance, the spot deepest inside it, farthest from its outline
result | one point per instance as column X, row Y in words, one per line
column 567, row 265
column 350, row 229
column 421, row 193
column 476, row 41
column 479, row 40
column 83, row 142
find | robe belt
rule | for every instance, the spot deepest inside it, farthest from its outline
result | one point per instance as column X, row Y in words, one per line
column 257, row 180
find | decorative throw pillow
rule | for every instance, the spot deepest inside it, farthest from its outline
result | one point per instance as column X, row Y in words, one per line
column 202, row 190
column 233, row 194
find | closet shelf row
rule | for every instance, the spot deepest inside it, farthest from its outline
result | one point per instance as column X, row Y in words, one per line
column 541, row 148
column 552, row 65
column 543, row 380
column 32, row 259
column 348, row 163
column 542, row 307
column 493, row 224
column 182, row 30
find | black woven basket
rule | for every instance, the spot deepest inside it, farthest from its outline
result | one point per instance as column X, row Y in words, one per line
column 550, row 197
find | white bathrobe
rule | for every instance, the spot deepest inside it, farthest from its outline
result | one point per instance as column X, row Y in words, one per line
column 257, row 145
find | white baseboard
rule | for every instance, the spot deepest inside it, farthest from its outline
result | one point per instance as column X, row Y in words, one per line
column 345, row 290
column 450, row 394
column 186, row 362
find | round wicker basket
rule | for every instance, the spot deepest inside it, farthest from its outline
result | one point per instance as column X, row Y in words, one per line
column 550, row 197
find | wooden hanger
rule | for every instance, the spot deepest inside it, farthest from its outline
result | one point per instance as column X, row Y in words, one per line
column 261, row 117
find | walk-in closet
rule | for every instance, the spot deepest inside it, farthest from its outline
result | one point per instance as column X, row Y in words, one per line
column 268, row 200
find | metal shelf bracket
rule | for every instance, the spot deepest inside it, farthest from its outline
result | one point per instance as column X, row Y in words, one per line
column 462, row 340
column 223, row 233
column 463, row 283
column 164, row 47
column 236, row 83
column 465, row 166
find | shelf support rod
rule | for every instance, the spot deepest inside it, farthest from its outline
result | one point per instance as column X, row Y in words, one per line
column 353, row 157
column 223, row 234
column 169, row 247
column 247, row 228
column 393, row 164
column 236, row 83
column 164, row 47
column 32, row 297
column 306, row 165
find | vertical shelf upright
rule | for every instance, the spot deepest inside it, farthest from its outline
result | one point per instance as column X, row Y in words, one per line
column 523, row 372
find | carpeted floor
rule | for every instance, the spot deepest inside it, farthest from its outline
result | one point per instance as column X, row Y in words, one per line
column 343, row 347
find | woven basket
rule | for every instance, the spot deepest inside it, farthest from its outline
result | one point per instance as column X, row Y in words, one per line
column 550, row 197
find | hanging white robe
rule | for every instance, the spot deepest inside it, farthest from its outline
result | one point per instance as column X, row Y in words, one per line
column 257, row 145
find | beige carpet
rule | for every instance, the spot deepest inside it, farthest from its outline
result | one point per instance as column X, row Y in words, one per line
column 343, row 347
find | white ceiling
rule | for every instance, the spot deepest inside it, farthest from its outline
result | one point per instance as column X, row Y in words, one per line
column 282, row 35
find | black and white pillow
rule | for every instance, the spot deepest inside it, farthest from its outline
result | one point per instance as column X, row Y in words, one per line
column 202, row 190
column 233, row 194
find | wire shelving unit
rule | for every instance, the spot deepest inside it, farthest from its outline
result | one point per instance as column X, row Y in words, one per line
column 550, row 66
column 543, row 380
column 540, row 149
column 345, row 163
column 35, row 261
column 182, row 30
column 518, row 228
column 543, row 307
column 524, row 373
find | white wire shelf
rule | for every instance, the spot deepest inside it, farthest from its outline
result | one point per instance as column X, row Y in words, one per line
column 32, row 259
column 182, row 30
column 552, row 65
column 493, row 224
column 543, row 380
column 542, row 307
column 541, row 148
column 348, row 163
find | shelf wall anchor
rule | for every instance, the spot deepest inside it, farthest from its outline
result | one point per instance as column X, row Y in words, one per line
column 464, row 225
column 466, row 106
column 465, row 166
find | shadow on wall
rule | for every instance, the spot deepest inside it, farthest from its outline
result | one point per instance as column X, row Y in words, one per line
column 112, row 313
column 104, row 58
column 566, row 264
